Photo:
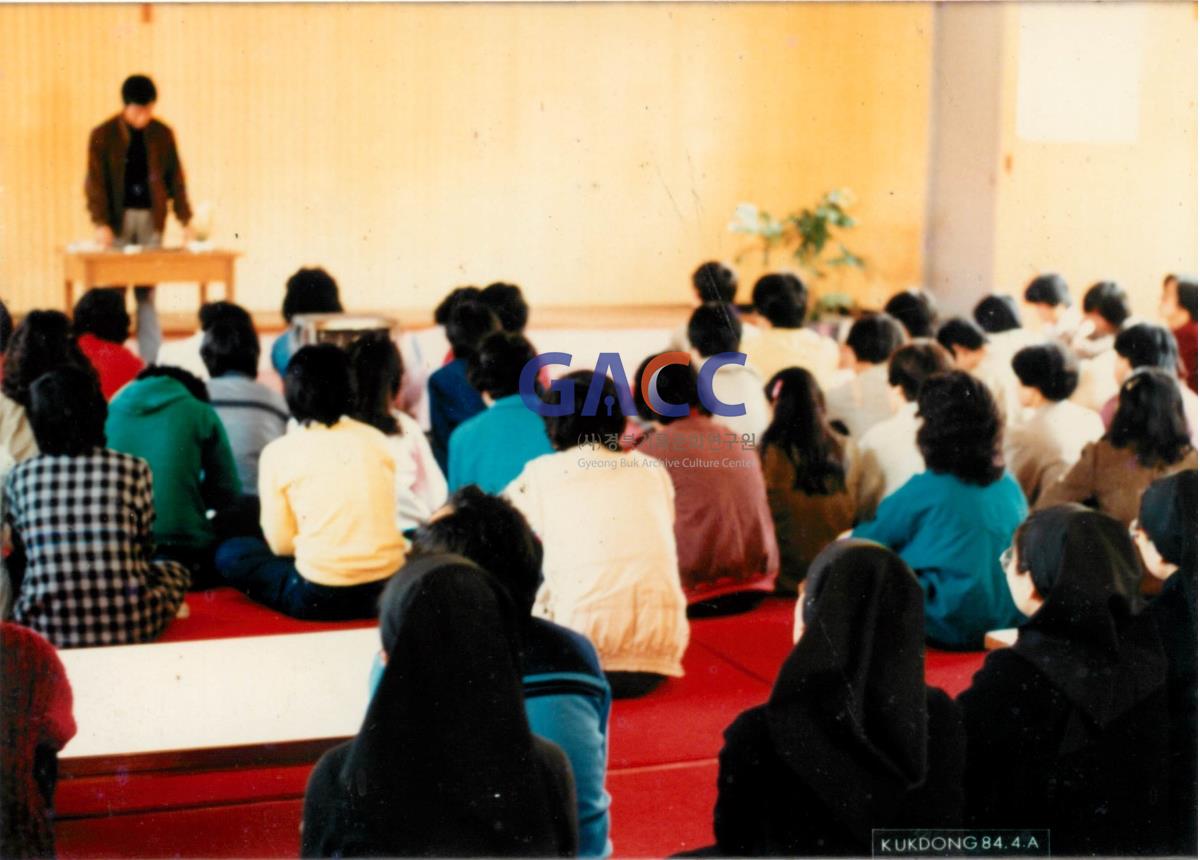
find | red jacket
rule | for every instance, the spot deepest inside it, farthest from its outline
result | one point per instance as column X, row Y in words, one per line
column 105, row 183
column 115, row 364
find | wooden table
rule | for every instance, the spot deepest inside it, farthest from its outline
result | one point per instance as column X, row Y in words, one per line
column 155, row 266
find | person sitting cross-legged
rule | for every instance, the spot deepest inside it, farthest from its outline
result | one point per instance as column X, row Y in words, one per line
column 328, row 504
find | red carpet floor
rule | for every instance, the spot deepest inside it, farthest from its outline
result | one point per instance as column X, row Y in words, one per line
column 662, row 756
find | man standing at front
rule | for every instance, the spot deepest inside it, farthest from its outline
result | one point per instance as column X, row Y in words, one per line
column 133, row 169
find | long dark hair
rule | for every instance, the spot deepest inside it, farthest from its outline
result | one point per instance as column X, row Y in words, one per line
column 378, row 372
column 802, row 432
column 1150, row 419
column 41, row 343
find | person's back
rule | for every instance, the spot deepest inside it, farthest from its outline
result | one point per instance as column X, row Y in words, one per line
column 782, row 300
column 36, row 721
column 724, row 535
column 452, row 397
column 157, row 419
column 1038, row 451
column 864, row 400
column 253, row 416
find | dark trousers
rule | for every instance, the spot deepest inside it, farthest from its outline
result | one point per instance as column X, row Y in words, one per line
column 631, row 685
column 248, row 565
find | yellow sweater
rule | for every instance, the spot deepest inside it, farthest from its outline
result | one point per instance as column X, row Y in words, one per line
column 328, row 499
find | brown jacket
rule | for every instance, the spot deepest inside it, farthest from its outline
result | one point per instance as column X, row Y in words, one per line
column 1111, row 479
column 105, row 183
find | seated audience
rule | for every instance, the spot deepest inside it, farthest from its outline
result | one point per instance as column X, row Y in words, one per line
column 714, row 328
column 1148, row 440
column 862, row 402
column 378, row 373
column 185, row 353
column 851, row 738
column 607, row 521
column 1069, row 727
column 1000, row 316
column 724, row 536
column 1042, row 448
column 327, row 491
column 101, row 326
column 491, row 448
column 40, row 343
column 308, row 291
column 252, row 414
column 713, row 282
column 508, row 303
column 84, row 516
column 972, row 351
column 164, row 417
column 1106, row 310
column 782, row 300
column 566, row 695
column 445, row 763
column 452, row 398
column 888, row 451
column 916, row 311
column 1165, row 534
column 951, row 522
column 445, row 309
column 1050, row 298
column 36, row 722
column 1178, row 310
column 812, row 475
column 1148, row 345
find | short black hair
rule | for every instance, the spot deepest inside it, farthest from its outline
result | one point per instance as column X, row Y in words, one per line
column 1185, row 294
column 1049, row 289
column 230, row 347
column 960, row 331
column 915, row 362
column 1107, row 299
column 495, row 368
column 138, row 90
column 1150, row 419
column 715, row 282
column 916, row 311
column 489, row 531
column 67, row 412
column 378, row 372
column 212, row 313
column 997, row 313
column 960, row 430
column 441, row 314
column 676, row 383
column 311, row 291
column 508, row 304
column 470, row 322
column 101, row 312
column 782, row 299
column 39, row 344
column 567, row 431
column 1148, row 345
column 713, row 328
column 195, row 385
column 1048, row 367
column 874, row 337
column 318, row 384
column 6, row 327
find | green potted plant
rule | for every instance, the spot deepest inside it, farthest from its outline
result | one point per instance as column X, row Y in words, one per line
column 809, row 233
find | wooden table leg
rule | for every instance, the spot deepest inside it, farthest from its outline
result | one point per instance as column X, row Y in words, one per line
column 229, row 283
column 67, row 295
column 203, row 293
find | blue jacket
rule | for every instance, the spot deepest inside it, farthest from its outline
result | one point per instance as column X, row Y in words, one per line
column 567, row 701
column 452, row 400
column 491, row 448
column 952, row 535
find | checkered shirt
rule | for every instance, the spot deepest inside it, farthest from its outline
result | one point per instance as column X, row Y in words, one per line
column 85, row 523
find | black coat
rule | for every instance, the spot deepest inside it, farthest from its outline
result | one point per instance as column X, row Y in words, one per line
column 765, row 809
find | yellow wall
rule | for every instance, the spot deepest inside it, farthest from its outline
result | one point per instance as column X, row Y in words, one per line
column 593, row 153
column 1122, row 210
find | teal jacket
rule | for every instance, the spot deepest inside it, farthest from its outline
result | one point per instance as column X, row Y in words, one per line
column 184, row 442
column 491, row 448
column 952, row 535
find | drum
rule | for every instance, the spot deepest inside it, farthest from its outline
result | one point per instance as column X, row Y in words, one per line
column 339, row 329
